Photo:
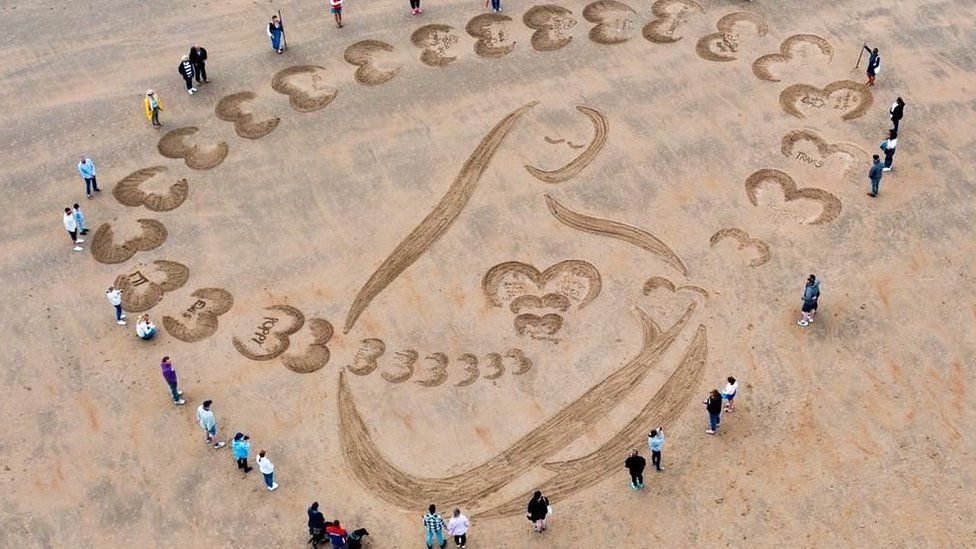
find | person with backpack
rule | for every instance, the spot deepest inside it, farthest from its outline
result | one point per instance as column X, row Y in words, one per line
column 811, row 295
column 635, row 464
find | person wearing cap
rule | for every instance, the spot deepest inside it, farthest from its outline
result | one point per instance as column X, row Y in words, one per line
column 198, row 58
column 87, row 170
column 153, row 104
column 186, row 71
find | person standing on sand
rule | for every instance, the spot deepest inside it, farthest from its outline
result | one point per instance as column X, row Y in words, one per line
column 874, row 64
column 458, row 528
column 874, row 174
column 169, row 374
column 337, row 10
column 241, row 447
column 732, row 386
column 80, row 219
column 713, row 404
column 496, row 5
column 811, row 296
column 276, row 32
column 71, row 226
column 888, row 146
column 434, row 526
column 897, row 111
column 153, row 104
column 635, row 465
column 185, row 69
column 208, row 422
column 655, row 441
column 537, row 511
column 267, row 470
column 87, row 170
column 114, row 296
column 415, row 7
column 198, row 58
column 316, row 525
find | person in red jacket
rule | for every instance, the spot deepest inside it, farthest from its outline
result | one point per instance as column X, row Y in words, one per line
column 337, row 535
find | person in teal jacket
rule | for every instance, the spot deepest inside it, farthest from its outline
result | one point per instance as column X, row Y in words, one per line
column 241, row 447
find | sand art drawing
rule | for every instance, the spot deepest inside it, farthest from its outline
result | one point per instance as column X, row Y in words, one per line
column 668, row 16
column 371, row 350
column 316, row 354
column 551, row 24
column 231, row 108
column 743, row 241
column 128, row 192
column 270, row 337
column 830, row 205
column 493, row 34
column 657, row 282
column 574, row 167
column 305, row 86
column 398, row 487
column 851, row 98
column 404, row 364
column 614, row 21
column 365, row 55
column 614, row 229
column 848, row 153
column 571, row 283
column 790, row 49
column 104, row 249
column 200, row 320
column 722, row 45
column 179, row 143
column 434, row 42
column 143, row 285
column 439, row 220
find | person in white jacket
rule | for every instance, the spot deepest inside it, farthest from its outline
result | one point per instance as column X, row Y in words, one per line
column 267, row 470
column 71, row 225
column 458, row 527
column 114, row 296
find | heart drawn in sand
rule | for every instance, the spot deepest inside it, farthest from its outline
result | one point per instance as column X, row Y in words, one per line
column 199, row 320
column 305, row 87
column 830, row 205
column 270, row 333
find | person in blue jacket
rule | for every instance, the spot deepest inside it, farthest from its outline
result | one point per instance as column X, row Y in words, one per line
column 276, row 32
column 241, row 447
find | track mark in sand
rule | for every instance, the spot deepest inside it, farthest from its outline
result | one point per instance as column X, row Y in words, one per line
column 230, row 109
column 175, row 144
column 367, row 357
column 551, row 24
column 305, row 87
column 656, row 282
column 614, row 229
column 493, row 31
column 600, row 130
column 364, row 55
column 662, row 409
column 722, row 45
column 788, row 50
column 438, row 221
column 743, row 241
column 831, row 206
column 669, row 14
column 272, row 331
column 405, row 361
column 438, row 372
column 850, row 153
column 435, row 41
column 316, row 354
column 199, row 320
column 143, row 286
column 851, row 98
column 614, row 21
column 105, row 250
column 128, row 193
column 409, row 491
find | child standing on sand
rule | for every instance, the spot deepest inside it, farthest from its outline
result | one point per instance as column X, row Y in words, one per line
column 337, row 11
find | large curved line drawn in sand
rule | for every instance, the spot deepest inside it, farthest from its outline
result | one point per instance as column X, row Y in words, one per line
column 438, row 220
column 615, row 229
column 663, row 408
column 600, row 129
column 408, row 491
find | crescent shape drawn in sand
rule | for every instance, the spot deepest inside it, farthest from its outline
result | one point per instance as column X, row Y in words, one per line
column 438, row 220
column 371, row 468
column 600, row 128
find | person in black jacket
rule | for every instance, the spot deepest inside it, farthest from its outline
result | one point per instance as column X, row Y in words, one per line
column 198, row 58
column 896, row 111
column 635, row 464
column 538, row 510
column 316, row 525
column 874, row 64
column 186, row 71
column 714, row 406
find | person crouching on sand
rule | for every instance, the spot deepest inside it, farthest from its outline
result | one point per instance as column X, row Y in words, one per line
column 145, row 328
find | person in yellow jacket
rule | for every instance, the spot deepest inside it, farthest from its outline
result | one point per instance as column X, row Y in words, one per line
column 153, row 105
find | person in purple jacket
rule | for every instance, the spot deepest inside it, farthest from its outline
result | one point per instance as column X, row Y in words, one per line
column 169, row 374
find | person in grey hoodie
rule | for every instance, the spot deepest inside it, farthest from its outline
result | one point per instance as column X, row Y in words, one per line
column 811, row 295
column 207, row 421
column 874, row 174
